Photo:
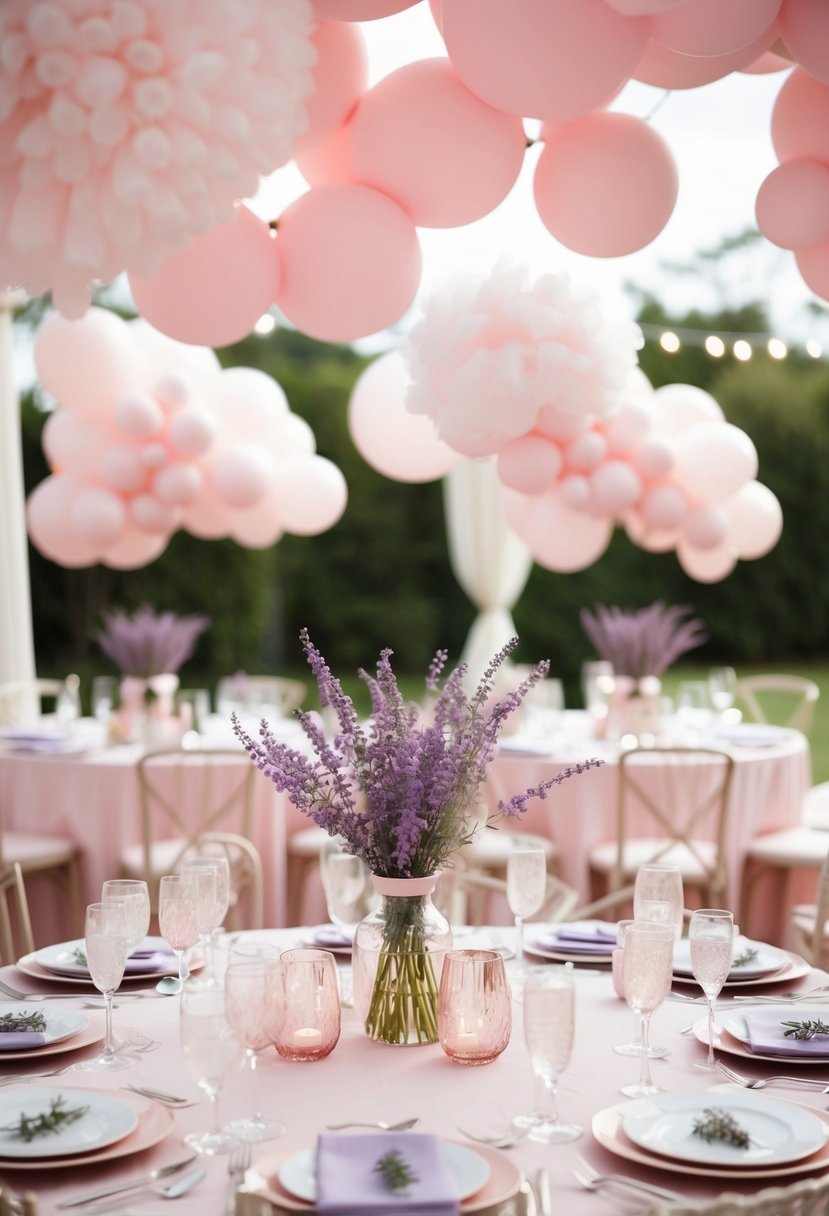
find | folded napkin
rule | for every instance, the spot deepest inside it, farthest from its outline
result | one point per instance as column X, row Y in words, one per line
column 766, row 1035
column 21, row 1040
column 580, row 937
column 349, row 1185
column 152, row 955
column 331, row 935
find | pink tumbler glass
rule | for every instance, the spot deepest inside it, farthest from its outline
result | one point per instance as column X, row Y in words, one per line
column 307, row 1014
column 474, row 1006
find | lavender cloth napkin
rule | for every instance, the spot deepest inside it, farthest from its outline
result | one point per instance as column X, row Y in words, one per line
column 349, row 1185
column 330, row 935
column 766, row 1036
column 152, row 955
column 21, row 1040
column 581, row 937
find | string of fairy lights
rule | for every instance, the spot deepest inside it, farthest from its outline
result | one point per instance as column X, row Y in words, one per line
column 740, row 346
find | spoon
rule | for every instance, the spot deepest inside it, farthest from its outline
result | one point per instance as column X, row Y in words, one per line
column 173, row 1190
column 505, row 1140
column 170, row 986
column 403, row 1126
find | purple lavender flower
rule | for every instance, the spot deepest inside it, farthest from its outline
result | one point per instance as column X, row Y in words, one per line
column 149, row 643
column 644, row 642
column 400, row 789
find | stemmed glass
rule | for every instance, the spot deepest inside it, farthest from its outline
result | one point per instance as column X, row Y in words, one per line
column 344, row 878
column 104, row 689
column 177, row 919
column 221, row 902
column 203, row 872
column 722, row 683
column 209, row 1047
column 711, row 935
column 250, row 995
column 549, row 1023
column 106, row 944
column 648, row 964
column 659, row 881
column 134, row 894
column 526, row 887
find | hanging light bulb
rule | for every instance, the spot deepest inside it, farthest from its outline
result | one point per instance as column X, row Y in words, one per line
column 814, row 348
column 715, row 346
column 777, row 348
column 742, row 350
column 670, row 342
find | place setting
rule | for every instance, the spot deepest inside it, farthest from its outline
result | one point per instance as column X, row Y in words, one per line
column 28, row 1033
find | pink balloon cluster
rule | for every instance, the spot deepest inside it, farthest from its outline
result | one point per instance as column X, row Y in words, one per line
column 793, row 201
column 150, row 436
column 537, row 377
column 127, row 127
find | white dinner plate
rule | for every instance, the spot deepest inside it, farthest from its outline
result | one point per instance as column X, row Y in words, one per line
column 769, row 959
column 106, row 1121
column 60, row 1023
column 779, row 1132
column 751, row 734
column 793, row 968
column 735, row 1024
column 542, row 941
column 469, row 1169
column 60, row 960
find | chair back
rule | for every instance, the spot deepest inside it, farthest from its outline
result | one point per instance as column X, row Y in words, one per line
column 246, row 875
column 20, row 700
column 185, row 795
column 810, row 938
column 15, row 926
column 682, row 794
column 791, row 698
column 808, row 1197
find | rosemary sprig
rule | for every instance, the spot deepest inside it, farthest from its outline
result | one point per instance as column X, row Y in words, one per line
column 22, row 1021
column 720, row 1125
column 395, row 1170
column 748, row 956
column 79, row 957
column 48, row 1122
column 804, row 1029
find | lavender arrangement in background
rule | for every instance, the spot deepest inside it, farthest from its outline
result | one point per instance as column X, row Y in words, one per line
column 643, row 642
column 149, row 643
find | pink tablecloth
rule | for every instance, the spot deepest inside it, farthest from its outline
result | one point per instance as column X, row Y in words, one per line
column 364, row 1080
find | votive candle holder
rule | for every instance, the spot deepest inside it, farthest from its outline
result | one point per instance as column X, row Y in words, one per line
column 307, row 1014
column 474, row 1006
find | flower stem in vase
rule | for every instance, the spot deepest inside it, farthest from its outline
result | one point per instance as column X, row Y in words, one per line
column 403, row 1005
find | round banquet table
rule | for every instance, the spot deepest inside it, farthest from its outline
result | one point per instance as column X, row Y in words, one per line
column 368, row 1081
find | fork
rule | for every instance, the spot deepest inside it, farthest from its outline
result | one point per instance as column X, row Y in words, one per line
column 238, row 1163
column 17, row 995
column 592, row 1180
column 505, row 1140
column 34, row 1076
column 759, row 1082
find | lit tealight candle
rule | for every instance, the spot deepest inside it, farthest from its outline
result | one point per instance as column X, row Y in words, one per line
column 465, row 1039
column 307, row 1036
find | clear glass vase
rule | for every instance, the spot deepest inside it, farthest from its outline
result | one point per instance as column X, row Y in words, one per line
column 397, row 960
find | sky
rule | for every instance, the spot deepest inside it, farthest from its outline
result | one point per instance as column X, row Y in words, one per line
column 720, row 137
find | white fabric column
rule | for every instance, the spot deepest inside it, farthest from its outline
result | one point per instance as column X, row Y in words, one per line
column 17, row 653
column 489, row 561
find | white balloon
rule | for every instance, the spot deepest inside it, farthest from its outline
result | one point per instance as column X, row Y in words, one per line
column 310, row 493
column 122, row 469
column 706, row 565
column 98, row 517
column 756, row 519
column 678, row 406
column 242, row 474
column 706, row 527
column 558, row 537
column 295, row 438
column 714, row 460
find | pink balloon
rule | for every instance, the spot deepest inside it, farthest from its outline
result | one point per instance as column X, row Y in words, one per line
column 643, row 8
column 549, row 59
column 767, row 63
column 122, row 469
column 575, row 491
column 295, row 438
column 804, row 26
column 530, row 464
column 559, row 423
column 654, row 458
column 706, row 527
column 207, row 516
column 756, row 520
column 358, row 10
column 192, row 431
column 328, row 162
column 625, row 430
column 97, row 517
column 707, row 27
column 86, row 364
column 397, row 444
column 249, row 405
column 614, row 487
column 72, row 443
column 706, row 565
column 714, row 460
column 340, row 79
column 653, row 540
column 663, row 507
column 586, row 451
column 605, row 185
column 135, row 548
column 154, row 456
column 793, row 204
column 257, row 529
column 138, row 416
column 666, row 69
column 800, row 118
column 178, row 485
column 350, row 263
column 241, row 474
column 679, row 406
column 813, row 264
column 311, row 494
column 48, row 516
column 147, row 513
column 558, row 537
column 437, row 149
column 212, row 292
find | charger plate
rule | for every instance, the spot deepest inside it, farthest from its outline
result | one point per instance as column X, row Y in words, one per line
column 91, row 1032
column 29, row 965
column 608, row 1130
column 725, row 1041
column 793, row 968
column 503, row 1183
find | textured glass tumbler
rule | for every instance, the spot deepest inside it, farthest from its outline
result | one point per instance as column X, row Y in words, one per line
column 474, row 1006
column 307, row 1008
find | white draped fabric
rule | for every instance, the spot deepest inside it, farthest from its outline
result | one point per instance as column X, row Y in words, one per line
column 489, row 561
column 17, row 655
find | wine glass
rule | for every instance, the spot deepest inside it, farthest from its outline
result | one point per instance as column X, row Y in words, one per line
column 722, row 684
column 177, row 919
column 209, row 1047
column 106, row 945
column 136, row 896
column 711, row 934
column 250, row 995
column 693, row 707
column 648, row 964
column 660, row 882
column 102, row 698
column 204, row 873
column 526, row 887
column 549, row 1023
column 344, row 879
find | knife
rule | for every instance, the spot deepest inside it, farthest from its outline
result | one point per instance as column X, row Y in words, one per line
column 175, row 1191
column 133, row 1184
column 545, row 1198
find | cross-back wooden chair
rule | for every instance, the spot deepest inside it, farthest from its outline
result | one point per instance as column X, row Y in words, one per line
column 808, row 921
column 183, row 796
column 15, row 926
column 683, row 794
column 794, row 698
column 808, row 1197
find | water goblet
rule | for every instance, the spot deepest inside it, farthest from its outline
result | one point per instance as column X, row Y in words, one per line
column 106, row 945
column 136, row 896
column 549, row 1024
column 648, row 964
column 661, row 882
column 711, row 935
column 694, row 709
column 209, row 1047
column 205, row 874
column 634, row 1047
column 250, row 995
column 344, row 881
column 102, row 697
column 178, row 921
column 722, row 685
column 526, row 887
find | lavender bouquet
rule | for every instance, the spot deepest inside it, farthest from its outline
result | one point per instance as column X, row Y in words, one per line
column 148, row 643
column 644, row 642
column 402, row 792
